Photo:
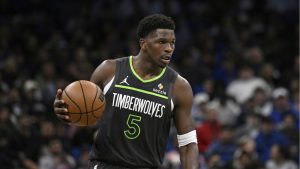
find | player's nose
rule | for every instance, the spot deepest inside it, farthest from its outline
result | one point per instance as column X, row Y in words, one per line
column 169, row 48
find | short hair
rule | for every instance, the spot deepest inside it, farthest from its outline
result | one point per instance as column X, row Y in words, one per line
column 266, row 120
column 227, row 127
column 153, row 22
column 283, row 150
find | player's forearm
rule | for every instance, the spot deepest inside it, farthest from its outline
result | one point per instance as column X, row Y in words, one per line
column 189, row 156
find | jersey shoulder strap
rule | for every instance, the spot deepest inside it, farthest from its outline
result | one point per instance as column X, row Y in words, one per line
column 120, row 65
column 122, row 60
column 172, row 74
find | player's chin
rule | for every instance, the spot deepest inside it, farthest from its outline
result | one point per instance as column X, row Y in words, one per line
column 162, row 65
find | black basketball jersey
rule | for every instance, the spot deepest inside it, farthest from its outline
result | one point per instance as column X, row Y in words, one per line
column 135, row 126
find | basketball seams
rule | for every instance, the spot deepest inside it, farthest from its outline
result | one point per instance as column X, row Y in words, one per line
column 97, row 90
column 87, row 119
column 88, row 111
column 76, row 121
column 96, row 110
column 75, row 105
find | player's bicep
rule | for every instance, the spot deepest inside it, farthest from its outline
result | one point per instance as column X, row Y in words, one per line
column 183, row 100
column 103, row 73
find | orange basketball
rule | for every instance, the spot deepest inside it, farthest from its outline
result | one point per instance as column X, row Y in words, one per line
column 85, row 102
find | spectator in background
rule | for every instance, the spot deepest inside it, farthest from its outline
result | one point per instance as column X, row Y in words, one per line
column 289, row 129
column 83, row 162
column 214, row 162
column 32, row 104
column 255, row 56
column 250, row 127
column 295, row 94
column 55, row 157
column 225, row 146
column 267, row 137
column 10, row 69
column 6, row 123
column 281, row 106
column 208, row 87
column 225, row 72
column 27, row 162
column 200, row 104
column 247, row 144
column 245, row 161
column 47, row 82
column 245, row 157
column 208, row 131
column 191, row 71
column 14, row 102
column 46, row 133
column 8, row 140
column 295, row 98
column 280, row 159
column 28, row 138
column 246, row 109
column 227, row 109
column 83, row 136
column 270, row 74
column 243, row 88
column 80, row 67
column 262, row 103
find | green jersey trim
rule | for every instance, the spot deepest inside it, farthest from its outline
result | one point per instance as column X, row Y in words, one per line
column 141, row 91
column 142, row 80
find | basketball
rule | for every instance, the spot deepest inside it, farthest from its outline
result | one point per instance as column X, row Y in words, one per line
column 85, row 102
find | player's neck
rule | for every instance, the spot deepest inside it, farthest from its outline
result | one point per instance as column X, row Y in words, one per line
column 144, row 67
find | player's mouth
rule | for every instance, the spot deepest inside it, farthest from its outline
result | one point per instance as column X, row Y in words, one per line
column 166, row 59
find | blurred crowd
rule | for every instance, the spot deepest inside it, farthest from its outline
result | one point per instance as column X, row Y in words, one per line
column 240, row 56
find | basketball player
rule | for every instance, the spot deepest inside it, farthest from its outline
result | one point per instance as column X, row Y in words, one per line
column 141, row 93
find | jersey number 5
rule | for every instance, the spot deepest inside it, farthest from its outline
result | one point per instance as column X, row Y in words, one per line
column 133, row 130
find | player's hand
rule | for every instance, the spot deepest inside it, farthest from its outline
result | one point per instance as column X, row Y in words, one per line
column 60, row 107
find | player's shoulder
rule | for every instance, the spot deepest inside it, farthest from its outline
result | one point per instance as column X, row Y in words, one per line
column 182, row 91
column 104, row 72
column 125, row 58
column 181, row 82
column 111, row 63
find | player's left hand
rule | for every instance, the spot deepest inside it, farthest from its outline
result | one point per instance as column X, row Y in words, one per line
column 60, row 107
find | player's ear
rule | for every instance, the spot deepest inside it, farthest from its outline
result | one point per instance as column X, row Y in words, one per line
column 142, row 42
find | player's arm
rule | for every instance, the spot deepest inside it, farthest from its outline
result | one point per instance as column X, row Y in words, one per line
column 187, row 140
column 101, row 76
column 104, row 73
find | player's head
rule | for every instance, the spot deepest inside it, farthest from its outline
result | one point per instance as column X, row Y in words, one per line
column 152, row 22
column 157, row 38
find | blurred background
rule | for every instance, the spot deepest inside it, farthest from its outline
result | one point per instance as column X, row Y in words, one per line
column 241, row 58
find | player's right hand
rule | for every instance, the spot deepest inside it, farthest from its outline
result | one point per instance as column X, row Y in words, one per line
column 60, row 107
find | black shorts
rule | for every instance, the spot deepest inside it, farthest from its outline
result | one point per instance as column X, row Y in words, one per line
column 94, row 164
